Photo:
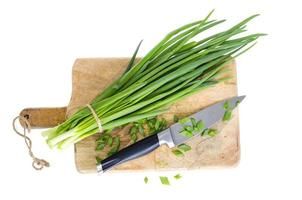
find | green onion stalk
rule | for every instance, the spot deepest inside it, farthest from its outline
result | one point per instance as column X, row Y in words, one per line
column 177, row 67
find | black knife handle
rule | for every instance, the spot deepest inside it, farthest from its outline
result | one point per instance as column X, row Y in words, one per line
column 131, row 152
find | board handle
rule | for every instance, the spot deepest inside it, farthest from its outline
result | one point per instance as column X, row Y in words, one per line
column 44, row 117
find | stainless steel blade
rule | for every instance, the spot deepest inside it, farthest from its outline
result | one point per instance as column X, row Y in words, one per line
column 209, row 115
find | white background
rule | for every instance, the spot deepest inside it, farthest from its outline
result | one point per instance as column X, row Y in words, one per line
column 39, row 41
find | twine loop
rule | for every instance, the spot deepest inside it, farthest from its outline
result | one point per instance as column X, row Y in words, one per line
column 37, row 163
column 97, row 119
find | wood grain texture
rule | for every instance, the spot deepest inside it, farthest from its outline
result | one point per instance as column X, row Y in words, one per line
column 90, row 76
column 44, row 117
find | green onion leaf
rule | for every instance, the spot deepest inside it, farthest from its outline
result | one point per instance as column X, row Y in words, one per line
column 100, row 147
column 188, row 128
column 187, row 133
column 133, row 130
column 146, row 179
column 164, row 124
column 133, row 58
column 226, row 105
column 227, row 115
column 184, row 147
column 164, row 180
column 204, row 132
column 184, row 120
column 177, row 176
column 133, row 137
column 141, row 129
column 175, row 119
column 110, row 141
column 157, row 125
column 194, row 122
column 141, row 121
column 98, row 160
column 151, row 123
column 237, row 103
column 177, row 153
column 200, row 125
column 212, row 132
column 116, row 146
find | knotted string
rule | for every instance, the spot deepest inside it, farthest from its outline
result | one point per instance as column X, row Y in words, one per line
column 97, row 119
column 37, row 163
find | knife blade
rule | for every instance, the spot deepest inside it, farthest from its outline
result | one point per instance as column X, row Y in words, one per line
column 171, row 136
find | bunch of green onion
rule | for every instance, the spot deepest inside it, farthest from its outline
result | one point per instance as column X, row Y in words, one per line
column 175, row 68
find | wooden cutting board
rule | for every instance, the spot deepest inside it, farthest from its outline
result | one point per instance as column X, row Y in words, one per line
column 90, row 76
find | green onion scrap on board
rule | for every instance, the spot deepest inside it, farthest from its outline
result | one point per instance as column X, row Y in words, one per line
column 177, row 67
column 146, row 179
column 164, row 180
column 177, row 176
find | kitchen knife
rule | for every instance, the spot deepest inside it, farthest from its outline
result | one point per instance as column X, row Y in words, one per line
column 171, row 136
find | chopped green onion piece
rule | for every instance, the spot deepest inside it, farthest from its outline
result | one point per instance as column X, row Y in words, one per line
column 204, row 132
column 141, row 129
column 133, row 130
column 100, row 147
column 177, row 152
column 164, row 180
column 177, row 176
column 133, row 137
column 184, row 120
column 187, row 133
column 109, row 130
column 226, row 105
column 157, row 125
column 200, row 125
column 117, row 142
column 116, row 146
column 164, row 124
column 237, row 103
column 112, row 151
column 194, row 122
column 227, row 115
column 146, row 179
column 188, row 128
column 110, row 141
column 152, row 131
column 175, row 119
column 184, row 147
column 151, row 123
column 141, row 121
column 212, row 132
column 98, row 160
